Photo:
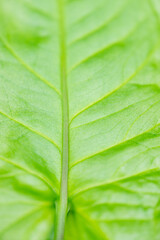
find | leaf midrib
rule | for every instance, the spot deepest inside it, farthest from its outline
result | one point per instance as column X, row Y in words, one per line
column 63, row 199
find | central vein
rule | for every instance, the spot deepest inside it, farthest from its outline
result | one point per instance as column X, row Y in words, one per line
column 63, row 201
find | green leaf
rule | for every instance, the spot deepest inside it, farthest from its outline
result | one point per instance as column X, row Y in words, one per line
column 80, row 120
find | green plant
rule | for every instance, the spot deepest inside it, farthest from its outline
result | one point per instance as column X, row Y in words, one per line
column 79, row 120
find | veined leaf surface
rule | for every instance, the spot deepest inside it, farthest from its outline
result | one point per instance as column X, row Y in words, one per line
column 80, row 120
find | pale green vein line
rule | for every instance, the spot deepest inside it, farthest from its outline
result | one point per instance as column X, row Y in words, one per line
column 135, row 191
column 139, row 118
column 23, row 217
column 27, row 203
column 126, row 220
column 88, row 14
column 110, row 204
column 104, row 24
column 39, row 10
column 155, row 12
column 39, row 221
column 121, row 85
column 93, row 223
column 113, row 146
column 30, row 172
column 10, row 175
column 11, row 50
column 108, row 46
column 128, row 160
column 111, row 182
column 109, row 115
column 32, row 130
column 63, row 200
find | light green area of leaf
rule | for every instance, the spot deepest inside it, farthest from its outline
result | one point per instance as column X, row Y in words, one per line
column 80, row 109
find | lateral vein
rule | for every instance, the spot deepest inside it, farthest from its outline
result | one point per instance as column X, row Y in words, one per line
column 31, row 130
column 27, row 67
column 144, row 63
column 42, row 178
column 113, row 146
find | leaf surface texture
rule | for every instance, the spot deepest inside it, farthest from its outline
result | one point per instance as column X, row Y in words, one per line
column 80, row 120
